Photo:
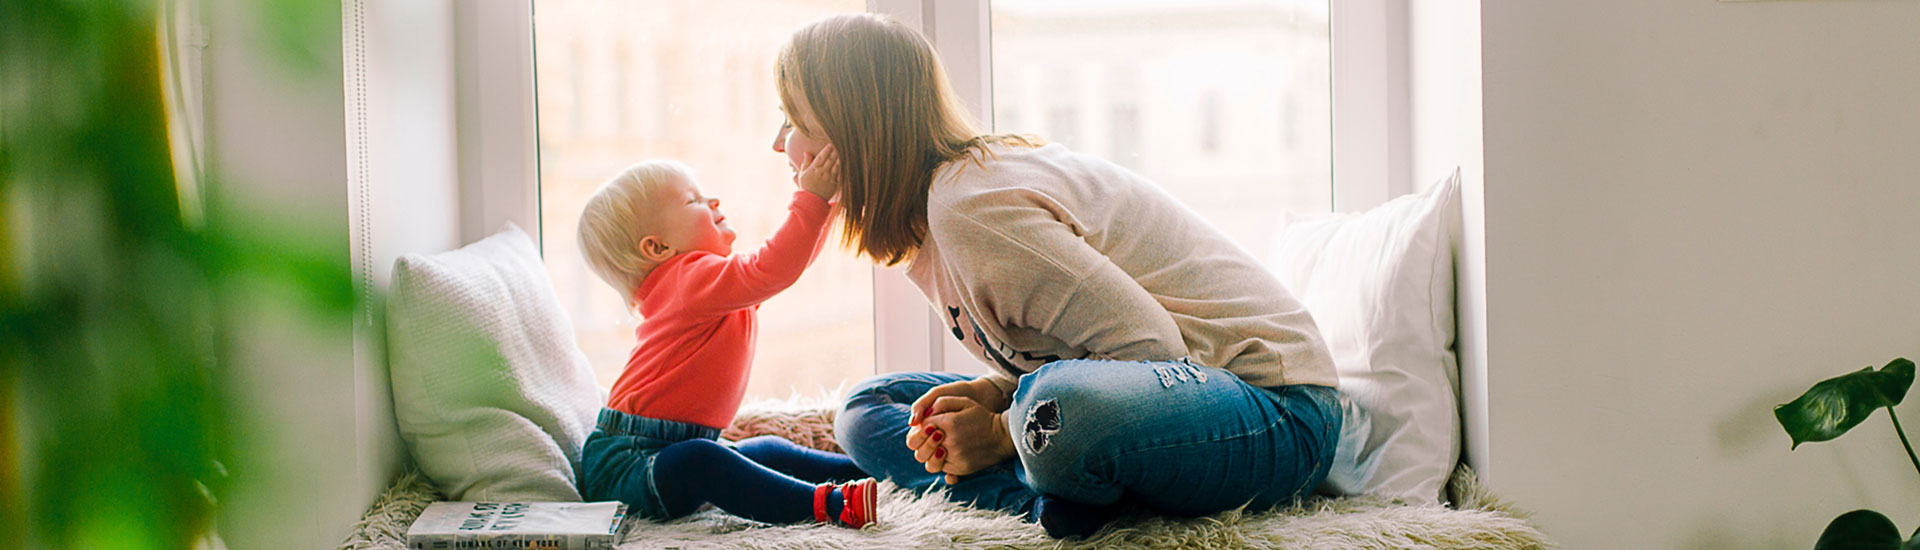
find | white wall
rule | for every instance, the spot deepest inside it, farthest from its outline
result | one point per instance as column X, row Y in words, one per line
column 361, row 147
column 275, row 138
column 411, row 175
column 1693, row 210
column 403, row 186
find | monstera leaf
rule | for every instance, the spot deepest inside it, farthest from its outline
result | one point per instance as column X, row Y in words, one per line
column 1837, row 404
column 1827, row 411
column 1860, row 530
column 1864, row 530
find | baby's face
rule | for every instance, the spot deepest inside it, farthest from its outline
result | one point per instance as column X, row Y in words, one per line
column 689, row 221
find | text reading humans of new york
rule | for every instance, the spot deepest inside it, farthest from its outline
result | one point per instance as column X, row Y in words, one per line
column 517, row 525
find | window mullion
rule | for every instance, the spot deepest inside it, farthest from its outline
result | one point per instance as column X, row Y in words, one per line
column 907, row 334
column 1372, row 125
column 494, row 113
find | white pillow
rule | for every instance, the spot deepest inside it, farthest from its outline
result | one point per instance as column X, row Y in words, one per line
column 1380, row 286
column 492, row 395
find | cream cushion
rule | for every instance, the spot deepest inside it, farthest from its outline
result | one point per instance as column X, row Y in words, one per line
column 1380, row 287
column 492, row 395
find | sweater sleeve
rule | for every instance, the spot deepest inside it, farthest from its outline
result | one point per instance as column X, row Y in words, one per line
column 1002, row 380
column 743, row 280
column 1018, row 254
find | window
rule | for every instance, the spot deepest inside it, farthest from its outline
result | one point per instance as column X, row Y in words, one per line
column 575, row 89
column 1123, row 117
column 1210, row 122
column 697, row 87
column 1063, row 124
column 621, row 73
column 1187, row 95
column 1125, row 134
column 621, row 82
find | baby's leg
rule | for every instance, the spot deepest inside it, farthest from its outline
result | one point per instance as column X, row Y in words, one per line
column 811, row 465
column 696, row 471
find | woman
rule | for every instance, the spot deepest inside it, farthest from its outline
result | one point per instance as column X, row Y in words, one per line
column 1138, row 356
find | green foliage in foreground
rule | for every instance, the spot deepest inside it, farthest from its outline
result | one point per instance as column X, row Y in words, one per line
column 115, row 290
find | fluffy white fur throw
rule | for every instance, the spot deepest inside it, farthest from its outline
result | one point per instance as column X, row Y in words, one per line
column 1477, row 520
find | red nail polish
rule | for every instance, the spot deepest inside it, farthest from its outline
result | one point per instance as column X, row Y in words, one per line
column 926, row 412
column 936, row 435
column 940, row 452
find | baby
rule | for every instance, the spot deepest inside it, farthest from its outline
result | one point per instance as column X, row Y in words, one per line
column 651, row 234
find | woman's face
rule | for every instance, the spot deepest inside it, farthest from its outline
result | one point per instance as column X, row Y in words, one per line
column 798, row 146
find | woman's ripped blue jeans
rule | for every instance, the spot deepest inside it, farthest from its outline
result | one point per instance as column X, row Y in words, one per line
column 1173, row 437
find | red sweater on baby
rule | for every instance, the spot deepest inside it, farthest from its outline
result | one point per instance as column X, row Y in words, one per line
column 698, row 312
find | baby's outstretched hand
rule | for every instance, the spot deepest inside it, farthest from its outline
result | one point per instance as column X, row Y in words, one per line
column 821, row 174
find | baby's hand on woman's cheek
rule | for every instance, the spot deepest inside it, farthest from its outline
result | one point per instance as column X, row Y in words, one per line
column 821, row 174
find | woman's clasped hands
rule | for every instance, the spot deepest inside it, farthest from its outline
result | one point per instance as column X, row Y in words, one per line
column 957, row 429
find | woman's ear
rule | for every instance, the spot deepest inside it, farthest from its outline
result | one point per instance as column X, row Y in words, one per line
column 655, row 250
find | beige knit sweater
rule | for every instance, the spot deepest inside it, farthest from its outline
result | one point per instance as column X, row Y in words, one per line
column 1047, row 254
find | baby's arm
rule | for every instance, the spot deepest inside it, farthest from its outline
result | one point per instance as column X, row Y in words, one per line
column 720, row 285
column 745, row 279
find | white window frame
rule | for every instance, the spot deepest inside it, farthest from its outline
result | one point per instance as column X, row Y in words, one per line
column 908, row 334
column 1372, row 103
column 495, row 117
column 498, row 134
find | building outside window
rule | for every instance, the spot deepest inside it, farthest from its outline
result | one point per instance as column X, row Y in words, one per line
column 706, row 98
column 1188, row 90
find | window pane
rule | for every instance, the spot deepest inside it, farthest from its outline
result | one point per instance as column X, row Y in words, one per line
column 690, row 80
column 1225, row 103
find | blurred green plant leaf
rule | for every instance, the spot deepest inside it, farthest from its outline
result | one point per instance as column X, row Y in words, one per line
column 1837, row 404
column 1860, row 530
column 117, row 417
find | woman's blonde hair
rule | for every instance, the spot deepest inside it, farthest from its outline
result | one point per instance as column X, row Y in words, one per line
column 880, row 95
column 616, row 219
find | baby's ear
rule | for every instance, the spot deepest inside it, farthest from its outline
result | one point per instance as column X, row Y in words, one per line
column 655, row 250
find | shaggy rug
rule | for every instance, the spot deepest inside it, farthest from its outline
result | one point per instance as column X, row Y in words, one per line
column 1477, row 519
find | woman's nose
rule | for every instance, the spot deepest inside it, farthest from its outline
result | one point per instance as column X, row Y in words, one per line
column 780, row 141
column 713, row 203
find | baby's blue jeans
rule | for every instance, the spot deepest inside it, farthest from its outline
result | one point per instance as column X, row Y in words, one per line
column 1173, row 437
column 665, row 469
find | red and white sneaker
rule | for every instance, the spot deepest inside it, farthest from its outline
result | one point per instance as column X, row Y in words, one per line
column 858, row 509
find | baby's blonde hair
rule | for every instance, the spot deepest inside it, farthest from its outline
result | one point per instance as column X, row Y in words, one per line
column 617, row 217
